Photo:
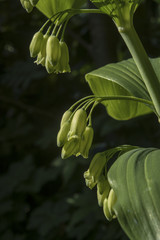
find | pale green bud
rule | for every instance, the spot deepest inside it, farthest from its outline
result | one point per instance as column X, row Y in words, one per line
column 95, row 169
column 35, row 45
column 111, row 201
column 106, row 210
column 62, row 134
column 103, row 189
column 50, row 68
column 78, row 124
column 53, row 50
column 34, row 2
column 41, row 58
column 70, row 148
column 63, row 64
column 86, row 141
column 66, row 116
column 27, row 5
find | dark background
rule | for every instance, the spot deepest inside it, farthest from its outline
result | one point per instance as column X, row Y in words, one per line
column 43, row 197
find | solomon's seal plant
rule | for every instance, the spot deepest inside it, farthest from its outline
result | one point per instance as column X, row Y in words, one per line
column 130, row 190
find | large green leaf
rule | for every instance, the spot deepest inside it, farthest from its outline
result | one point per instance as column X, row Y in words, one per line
column 50, row 7
column 124, row 79
column 135, row 180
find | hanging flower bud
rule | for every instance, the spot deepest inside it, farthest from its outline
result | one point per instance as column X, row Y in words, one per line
column 41, row 58
column 50, row 68
column 66, row 116
column 35, row 45
column 70, row 148
column 78, row 124
column 34, row 2
column 103, row 189
column 27, row 5
column 86, row 141
column 53, row 50
column 106, row 210
column 62, row 134
column 95, row 169
column 111, row 201
column 63, row 64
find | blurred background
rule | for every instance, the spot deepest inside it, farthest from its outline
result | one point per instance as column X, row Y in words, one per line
column 43, row 197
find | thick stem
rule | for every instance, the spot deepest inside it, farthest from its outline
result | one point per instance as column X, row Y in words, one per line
column 143, row 64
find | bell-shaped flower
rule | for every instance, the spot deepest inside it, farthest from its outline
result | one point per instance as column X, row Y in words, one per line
column 27, row 5
column 63, row 64
column 103, row 189
column 41, row 58
column 86, row 141
column 66, row 116
column 62, row 134
column 53, row 50
column 78, row 124
column 95, row 169
column 35, row 45
column 70, row 148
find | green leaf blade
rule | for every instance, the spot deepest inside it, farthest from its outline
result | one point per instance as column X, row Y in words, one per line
column 120, row 79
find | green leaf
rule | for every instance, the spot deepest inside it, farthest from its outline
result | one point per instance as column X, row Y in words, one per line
column 50, row 7
column 124, row 79
column 135, row 180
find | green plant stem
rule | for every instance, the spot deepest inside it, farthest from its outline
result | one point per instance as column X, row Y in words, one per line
column 143, row 63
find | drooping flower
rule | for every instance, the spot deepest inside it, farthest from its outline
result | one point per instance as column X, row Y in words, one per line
column 35, row 45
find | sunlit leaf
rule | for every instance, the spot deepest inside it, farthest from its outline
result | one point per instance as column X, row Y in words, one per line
column 50, row 7
column 135, row 179
column 124, row 79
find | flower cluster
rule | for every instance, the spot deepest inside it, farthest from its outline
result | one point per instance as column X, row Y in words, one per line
column 29, row 4
column 50, row 52
column 95, row 175
column 75, row 135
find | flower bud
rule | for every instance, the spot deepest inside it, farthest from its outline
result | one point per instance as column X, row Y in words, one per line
column 50, row 68
column 62, row 134
column 41, row 58
column 103, row 188
column 66, row 116
column 111, row 201
column 35, row 45
column 78, row 124
column 86, row 141
column 34, row 2
column 63, row 65
column 106, row 210
column 70, row 148
column 53, row 50
column 95, row 169
column 27, row 5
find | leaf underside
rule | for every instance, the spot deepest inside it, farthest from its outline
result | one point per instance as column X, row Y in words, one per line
column 50, row 7
column 124, row 79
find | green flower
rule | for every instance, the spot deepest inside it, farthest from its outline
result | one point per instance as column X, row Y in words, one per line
column 70, row 148
column 27, row 5
column 35, row 45
column 66, row 116
column 103, row 189
column 62, row 134
column 63, row 64
column 86, row 141
column 95, row 170
column 41, row 58
column 53, row 50
column 78, row 124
